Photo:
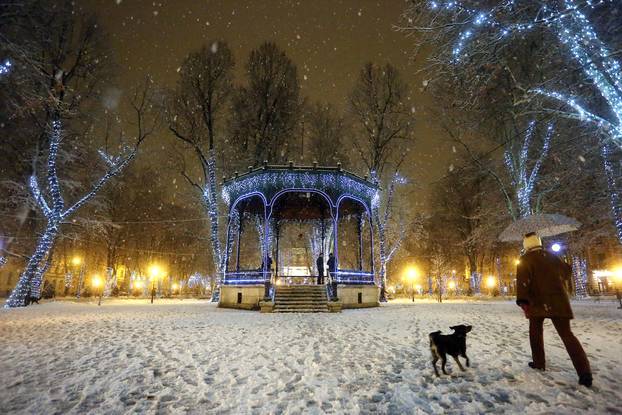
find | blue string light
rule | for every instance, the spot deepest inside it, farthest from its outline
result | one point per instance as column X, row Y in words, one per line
column 614, row 196
column 576, row 33
column 55, row 213
column 524, row 181
column 5, row 67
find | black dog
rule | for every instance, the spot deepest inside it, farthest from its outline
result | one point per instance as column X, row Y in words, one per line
column 453, row 345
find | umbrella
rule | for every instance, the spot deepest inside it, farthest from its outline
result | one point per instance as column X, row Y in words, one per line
column 544, row 224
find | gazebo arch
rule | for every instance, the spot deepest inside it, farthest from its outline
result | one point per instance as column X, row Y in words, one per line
column 273, row 196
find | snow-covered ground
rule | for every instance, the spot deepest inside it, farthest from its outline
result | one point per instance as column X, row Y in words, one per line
column 191, row 357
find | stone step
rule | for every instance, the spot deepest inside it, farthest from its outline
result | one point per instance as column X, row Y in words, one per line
column 301, row 311
column 302, row 302
column 301, row 299
column 282, row 295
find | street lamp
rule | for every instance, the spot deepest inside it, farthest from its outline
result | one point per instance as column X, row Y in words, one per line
column 490, row 283
column 452, row 286
column 97, row 282
column 154, row 272
column 411, row 275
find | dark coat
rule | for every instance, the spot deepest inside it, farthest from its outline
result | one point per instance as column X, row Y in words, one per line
column 331, row 264
column 543, row 281
column 320, row 265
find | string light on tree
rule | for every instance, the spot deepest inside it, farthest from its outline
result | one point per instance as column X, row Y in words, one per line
column 517, row 165
column 614, row 196
column 573, row 30
column 5, row 67
column 54, row 211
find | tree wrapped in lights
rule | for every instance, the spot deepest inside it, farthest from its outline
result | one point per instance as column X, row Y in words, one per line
column 55, row 212
column 382, row 218
column 476, row 32
column 202, row 94
column 579, row 275
column 523, row 180
column 614, row 196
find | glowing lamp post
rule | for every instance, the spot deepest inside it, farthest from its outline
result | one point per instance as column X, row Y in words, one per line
column 411, row 275
column 155, row 272
column 452, row 286
column 490, row 283
column 98, row 287
column 556, row 247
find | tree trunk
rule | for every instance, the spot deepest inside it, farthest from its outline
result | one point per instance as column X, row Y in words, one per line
column 24, row 286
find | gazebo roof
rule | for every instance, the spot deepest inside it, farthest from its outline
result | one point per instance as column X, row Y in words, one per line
column 271, row 180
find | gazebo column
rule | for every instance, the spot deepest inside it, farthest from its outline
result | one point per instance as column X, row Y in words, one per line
column 359, row 219
column 266, row 248
column 335, row 249
column 239, row 235
column 277, row 234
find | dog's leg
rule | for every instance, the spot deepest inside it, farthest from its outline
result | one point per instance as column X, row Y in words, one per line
column 434, row 360
column 458, row 361
column 463, row 354
column 444, row 361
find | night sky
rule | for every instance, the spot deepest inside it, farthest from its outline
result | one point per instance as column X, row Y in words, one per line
column 328, row 40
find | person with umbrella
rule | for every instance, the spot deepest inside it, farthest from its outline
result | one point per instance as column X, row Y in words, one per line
column 543, row 282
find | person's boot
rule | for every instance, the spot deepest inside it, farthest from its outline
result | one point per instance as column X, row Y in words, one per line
column 533, row 366
column 585, row 379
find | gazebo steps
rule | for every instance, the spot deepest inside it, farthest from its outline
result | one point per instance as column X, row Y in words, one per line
column 301, row 299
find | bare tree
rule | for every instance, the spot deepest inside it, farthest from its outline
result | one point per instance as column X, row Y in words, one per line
column 196, row 116
column 52, row 204
column 326, row 129
column 266, row 111
column 384, row 126
column 59, row 63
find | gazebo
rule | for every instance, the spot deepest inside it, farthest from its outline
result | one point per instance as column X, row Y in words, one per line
column 281, row 218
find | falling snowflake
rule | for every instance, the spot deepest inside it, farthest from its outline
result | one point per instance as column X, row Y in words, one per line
column 214, row 47
column 582, row 159
column 451, row 167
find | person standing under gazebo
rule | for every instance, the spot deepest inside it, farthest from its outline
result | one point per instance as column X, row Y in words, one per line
column 320, row 269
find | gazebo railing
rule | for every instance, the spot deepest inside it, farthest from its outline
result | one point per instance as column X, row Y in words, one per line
column 348, row 276
column 253, row 277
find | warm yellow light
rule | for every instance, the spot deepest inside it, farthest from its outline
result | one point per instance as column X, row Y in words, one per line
column 76, row 260
column 155, row 271
column 452, row 285
column 138, row 284
column 516, row 261
column 175, row 286
column 411, row 273
column 617, row 275
column 418, row 287
column 490, row 282
column 96, row 282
